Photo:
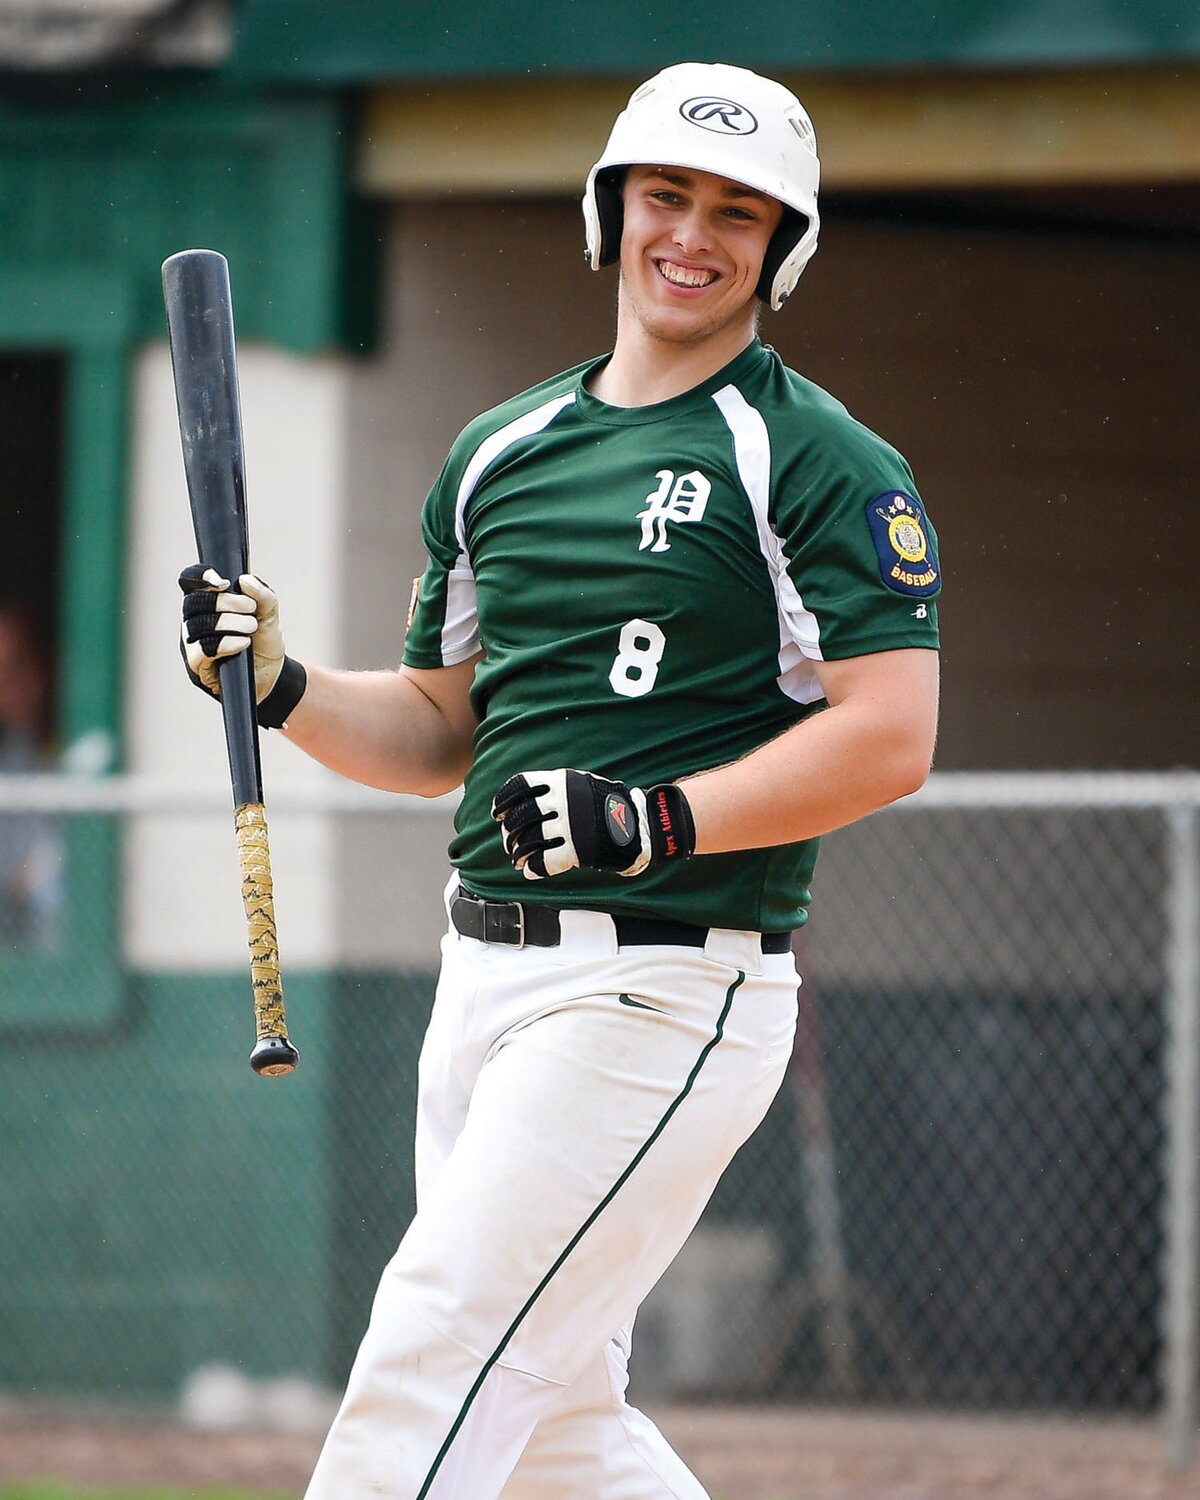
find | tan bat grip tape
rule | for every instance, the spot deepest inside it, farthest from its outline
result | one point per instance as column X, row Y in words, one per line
column 254, row 856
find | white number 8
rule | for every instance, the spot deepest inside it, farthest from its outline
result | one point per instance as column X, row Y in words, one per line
column 635, row 668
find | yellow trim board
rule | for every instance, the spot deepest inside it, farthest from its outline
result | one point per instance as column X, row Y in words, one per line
column 875, row 131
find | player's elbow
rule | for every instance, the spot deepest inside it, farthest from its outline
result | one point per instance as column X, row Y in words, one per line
column 912, row 776
column 914, row 730
column 436, row 784
column 911, row 761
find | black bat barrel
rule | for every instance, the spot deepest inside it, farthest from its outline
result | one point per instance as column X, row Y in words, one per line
column 200, row 321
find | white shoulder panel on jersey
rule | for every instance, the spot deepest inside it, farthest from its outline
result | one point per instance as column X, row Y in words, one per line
column 460, row 629
column 799, row 628
column 493, row 446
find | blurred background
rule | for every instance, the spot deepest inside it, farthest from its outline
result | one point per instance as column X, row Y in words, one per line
column 978, row 1189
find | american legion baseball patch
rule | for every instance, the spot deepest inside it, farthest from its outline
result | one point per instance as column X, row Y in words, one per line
column 907, row 555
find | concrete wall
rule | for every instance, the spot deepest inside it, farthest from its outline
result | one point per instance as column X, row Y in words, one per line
column 1042, row 386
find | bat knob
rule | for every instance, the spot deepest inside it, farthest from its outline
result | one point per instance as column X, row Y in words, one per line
column 273, row 1056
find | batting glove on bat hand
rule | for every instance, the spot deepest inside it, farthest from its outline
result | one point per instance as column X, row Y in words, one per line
column 562, row 820
column 218, row 624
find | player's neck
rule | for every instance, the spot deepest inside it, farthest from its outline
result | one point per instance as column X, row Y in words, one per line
column 645, row 369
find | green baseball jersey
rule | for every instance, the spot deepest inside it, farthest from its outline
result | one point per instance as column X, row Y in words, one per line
column 652, row 588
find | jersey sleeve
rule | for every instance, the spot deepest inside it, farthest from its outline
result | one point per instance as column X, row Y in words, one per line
column 443, row 627
column 860, row 554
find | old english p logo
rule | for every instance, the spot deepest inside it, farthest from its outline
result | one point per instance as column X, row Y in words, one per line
column 681, row 499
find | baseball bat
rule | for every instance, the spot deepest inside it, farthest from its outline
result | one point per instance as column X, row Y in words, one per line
column 204, row 361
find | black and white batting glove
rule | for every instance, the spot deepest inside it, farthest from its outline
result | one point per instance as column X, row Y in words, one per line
column 562, row 820
column 219, row 623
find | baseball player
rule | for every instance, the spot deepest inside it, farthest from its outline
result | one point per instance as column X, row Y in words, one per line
column 677, row 622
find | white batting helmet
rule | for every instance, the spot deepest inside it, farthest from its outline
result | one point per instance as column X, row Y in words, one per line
column 712, row 117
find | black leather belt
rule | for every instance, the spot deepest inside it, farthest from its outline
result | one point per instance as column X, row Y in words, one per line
column 535, row 926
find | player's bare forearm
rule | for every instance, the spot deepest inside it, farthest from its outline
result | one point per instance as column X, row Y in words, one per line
column 403, row 731
column 871, row 746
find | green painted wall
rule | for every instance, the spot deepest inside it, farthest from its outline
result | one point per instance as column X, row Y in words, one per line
column 164, row 1208
column 378, row 39
column 108, row 178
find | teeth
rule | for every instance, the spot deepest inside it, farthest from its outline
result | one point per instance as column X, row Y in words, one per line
column 681, row 276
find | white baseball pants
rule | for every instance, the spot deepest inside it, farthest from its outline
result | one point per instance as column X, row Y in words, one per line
column 576, row 1107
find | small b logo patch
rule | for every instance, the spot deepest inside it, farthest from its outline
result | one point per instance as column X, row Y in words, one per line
column 907, row 556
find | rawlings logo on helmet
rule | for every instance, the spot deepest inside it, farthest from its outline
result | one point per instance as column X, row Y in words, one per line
column 720, row 115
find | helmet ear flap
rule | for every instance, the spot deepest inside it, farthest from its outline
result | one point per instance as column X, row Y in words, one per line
column 791, row 227
column 610, row 210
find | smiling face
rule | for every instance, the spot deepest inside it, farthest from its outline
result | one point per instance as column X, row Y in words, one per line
column 692, row 249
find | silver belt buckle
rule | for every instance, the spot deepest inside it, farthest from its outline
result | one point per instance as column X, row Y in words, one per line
column 520, row 905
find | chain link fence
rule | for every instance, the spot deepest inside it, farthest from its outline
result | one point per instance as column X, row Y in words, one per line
column 976, row 1189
